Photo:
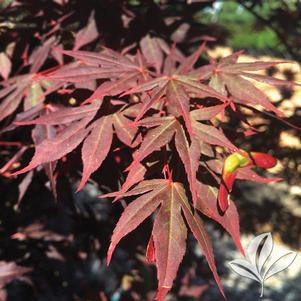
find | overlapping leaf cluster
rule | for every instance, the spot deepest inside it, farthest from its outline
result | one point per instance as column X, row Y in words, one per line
column 167, row 111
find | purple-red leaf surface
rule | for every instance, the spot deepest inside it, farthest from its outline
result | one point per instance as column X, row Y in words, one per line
column 10, row 271
column 146, row 107
column 207, row 204
column 87, row 34
column 169, row 231
column 96, row 147
column 55, row 148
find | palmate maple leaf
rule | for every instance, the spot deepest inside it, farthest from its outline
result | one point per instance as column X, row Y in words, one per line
column 122, row 72
column 97, row 137
column 175, row 86
column 169, row 231
column 229, row 75
column 168, row 127
column 32, row 88
column 153, row 101
column 25, row 88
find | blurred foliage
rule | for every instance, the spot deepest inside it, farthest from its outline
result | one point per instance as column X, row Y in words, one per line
column 242, row 28
column 272, row 26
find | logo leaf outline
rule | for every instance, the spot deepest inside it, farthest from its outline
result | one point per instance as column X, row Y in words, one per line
column 244, row 268
column 252, row 250
column 280, row 264
column 264, row 253
column 255, row 266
